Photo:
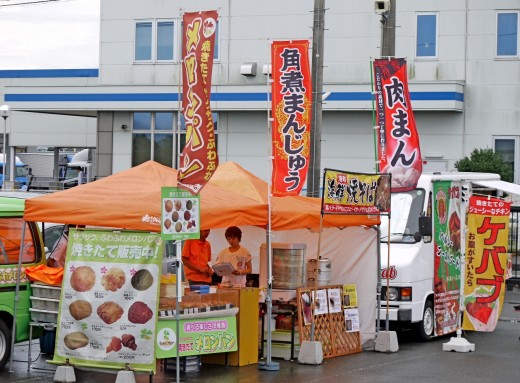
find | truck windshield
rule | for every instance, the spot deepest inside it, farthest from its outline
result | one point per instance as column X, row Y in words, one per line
column 22, row 171
column 404, row 219
column 72, row 173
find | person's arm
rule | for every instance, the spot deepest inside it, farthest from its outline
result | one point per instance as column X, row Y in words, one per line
column 59, row 253
column 248, row 269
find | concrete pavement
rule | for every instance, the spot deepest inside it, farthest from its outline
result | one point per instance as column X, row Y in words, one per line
column 496, row 359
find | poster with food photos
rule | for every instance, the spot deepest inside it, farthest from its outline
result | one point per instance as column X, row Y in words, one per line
column 180, row 214
column 109, row 299
column 320, row 302
column 351, row 320
column 349, row 296
column 335, row 304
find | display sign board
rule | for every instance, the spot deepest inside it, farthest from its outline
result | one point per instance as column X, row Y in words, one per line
column 486, row 262
column 109, row 299
column 180, row 214
column 447, row 248
column 349, row 296
column 355, row 193
column 196, row 337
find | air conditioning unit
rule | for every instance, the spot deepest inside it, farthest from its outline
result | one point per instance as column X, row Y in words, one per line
column 248, row 69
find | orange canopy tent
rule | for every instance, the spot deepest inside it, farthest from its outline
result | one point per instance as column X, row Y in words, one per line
column 131, row 199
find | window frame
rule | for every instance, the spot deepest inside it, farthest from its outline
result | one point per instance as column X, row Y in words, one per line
column 155, row 41
column 507, row 57
column 178, row 133
column 436, row 54
column 151, row 132
column 516, row 144
column 136, row 24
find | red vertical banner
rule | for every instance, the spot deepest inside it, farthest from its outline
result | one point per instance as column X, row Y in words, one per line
column 199, row 158
column 486, row 262
column 291, row 111
column 398, row 141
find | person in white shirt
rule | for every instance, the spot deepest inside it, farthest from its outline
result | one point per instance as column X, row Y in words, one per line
column 237, row 255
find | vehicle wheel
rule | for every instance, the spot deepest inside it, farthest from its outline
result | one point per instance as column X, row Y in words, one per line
column 5, row 344
column 426, row 326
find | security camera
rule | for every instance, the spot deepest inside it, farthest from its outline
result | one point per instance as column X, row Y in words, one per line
column 381, row 6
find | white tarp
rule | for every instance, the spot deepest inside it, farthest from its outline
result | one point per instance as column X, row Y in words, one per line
column 353, row 255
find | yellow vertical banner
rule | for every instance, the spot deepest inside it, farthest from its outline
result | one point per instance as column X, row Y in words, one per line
column 486, row 262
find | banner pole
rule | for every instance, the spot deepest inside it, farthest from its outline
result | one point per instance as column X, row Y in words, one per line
column 178, row 248
column 269, row 365
column 376, row 130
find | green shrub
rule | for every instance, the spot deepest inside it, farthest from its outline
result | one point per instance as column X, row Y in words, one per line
column 485, row 161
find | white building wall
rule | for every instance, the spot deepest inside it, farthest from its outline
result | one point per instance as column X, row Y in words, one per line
column 36, row 129
column 449, row 129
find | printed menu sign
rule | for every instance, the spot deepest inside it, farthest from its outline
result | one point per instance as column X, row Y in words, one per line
column 109, row 299
column 180, row 212
column 320, row 302
column 334, row 300
column 349, row 296
column 351, row 320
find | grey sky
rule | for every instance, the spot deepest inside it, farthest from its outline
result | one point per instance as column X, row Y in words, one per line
column 55, row 35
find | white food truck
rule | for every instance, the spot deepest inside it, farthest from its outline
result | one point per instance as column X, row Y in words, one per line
column 424, row 221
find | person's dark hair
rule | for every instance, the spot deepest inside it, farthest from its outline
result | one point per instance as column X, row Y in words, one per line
column 234, row 232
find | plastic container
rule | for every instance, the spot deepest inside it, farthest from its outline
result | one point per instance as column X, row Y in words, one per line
column 45, row 291
column 203, row 289
column 282, row 351
column 44, row 315
column 45, row 303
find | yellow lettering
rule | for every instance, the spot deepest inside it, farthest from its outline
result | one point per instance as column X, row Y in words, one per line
column 192, row 35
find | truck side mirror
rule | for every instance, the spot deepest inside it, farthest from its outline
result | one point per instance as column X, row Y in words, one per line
column 425, row 226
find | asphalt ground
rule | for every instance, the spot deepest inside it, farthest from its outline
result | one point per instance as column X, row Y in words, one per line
column 496, row 359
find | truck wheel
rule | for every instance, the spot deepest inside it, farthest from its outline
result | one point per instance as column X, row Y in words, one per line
column 5, row 344
column 425, row 327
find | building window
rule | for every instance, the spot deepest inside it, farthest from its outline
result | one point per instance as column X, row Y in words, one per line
column 426, row 45
column 153, row 137
column 143, row 41
column 506, row 147
column 154, row 40
column 216, row 53
column 165, row 40
column 507, row 34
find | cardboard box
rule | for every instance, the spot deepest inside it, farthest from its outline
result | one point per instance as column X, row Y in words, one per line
column 168, row 290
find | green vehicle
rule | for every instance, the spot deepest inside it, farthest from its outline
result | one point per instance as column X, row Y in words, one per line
column 33, row 253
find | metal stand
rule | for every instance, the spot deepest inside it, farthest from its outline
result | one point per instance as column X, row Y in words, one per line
column 269, row 365
column 46, row 326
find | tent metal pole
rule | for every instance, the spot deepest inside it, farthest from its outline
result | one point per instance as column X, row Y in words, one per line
column 378, row 233
column 178, row 280
column 17, row 296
